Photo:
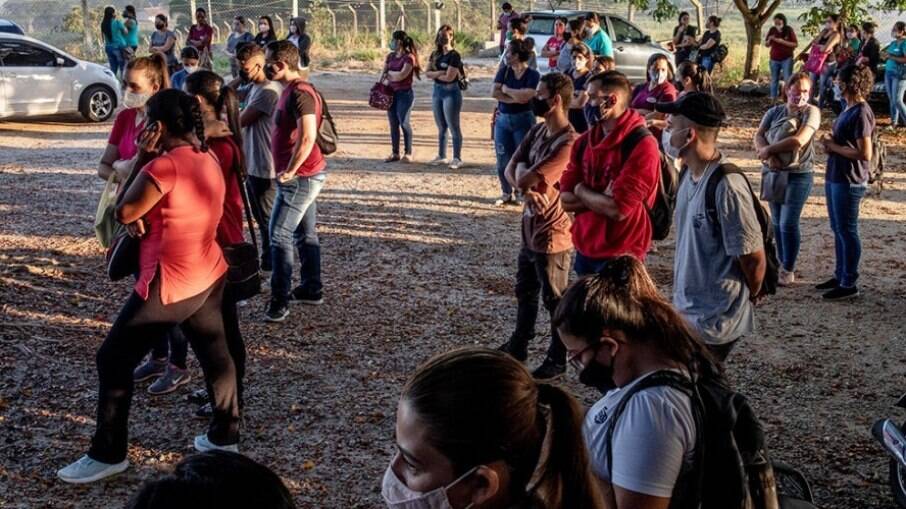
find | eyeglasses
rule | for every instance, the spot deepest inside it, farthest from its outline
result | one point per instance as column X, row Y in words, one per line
column 575, row 360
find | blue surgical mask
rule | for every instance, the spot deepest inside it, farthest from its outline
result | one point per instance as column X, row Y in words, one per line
column 394, row 44
column 838, row 92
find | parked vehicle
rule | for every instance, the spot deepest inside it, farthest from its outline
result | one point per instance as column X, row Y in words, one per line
column 631, row 46
column 38, row 79
column 10, row 27
column 891, row 436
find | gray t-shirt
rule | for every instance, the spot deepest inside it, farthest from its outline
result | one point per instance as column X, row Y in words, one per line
column 235, row 40
column 811, row 117
column 256, row 138
column 159, row 38
column 709, row 288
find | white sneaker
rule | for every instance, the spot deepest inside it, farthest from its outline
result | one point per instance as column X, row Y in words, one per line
column 202, row 444
column 406, row 158
column 438, row 161
column 87, row 470
column 786, row 278
column 455, row 164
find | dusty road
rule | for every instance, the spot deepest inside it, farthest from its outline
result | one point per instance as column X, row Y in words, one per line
column 416, row 261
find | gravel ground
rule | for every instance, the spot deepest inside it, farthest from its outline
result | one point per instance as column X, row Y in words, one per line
column 416, row 261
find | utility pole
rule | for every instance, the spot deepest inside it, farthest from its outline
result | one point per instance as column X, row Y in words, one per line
column 86, row 34
column 493, row 20
column 383, row 23
column 437, row 7
column 295, row 8
column 192, row 9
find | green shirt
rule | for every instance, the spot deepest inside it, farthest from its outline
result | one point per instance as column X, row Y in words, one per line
column 600, row 44
column 117, row 37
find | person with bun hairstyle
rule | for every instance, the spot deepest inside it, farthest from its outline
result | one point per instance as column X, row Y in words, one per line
column 400, row 67
column 618, row 330
column 708, row 45
column 173, row 206
column 474, row 429
column 781, row 39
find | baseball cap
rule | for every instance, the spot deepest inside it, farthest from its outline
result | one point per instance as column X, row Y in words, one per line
column 699, row 107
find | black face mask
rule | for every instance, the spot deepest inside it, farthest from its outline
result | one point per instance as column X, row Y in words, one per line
column 598, row 376
column 540, row 107
column 159, row 26
column 269, row 71
column 245, row 74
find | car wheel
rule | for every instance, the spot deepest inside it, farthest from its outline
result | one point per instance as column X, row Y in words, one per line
column 97, row 103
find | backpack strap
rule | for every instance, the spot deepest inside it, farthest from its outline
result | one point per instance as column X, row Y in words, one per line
column 631, row 141
column 719, row 173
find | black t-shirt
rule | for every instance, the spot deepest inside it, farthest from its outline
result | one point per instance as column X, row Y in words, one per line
column 442, row 62
column 682, row 54
column 707, row 37
column 871, row 50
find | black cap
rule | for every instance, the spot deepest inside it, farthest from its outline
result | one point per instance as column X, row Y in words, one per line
column 699, row 107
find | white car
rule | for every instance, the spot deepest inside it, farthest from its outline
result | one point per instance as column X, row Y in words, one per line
column 38, row 79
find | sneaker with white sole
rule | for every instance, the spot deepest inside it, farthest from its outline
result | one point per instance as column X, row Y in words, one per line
column 87, row 470
column 407, row 158
column 456, row 164
column 786, row 278
column 203, row 444
column 438, row 161
column 150, row 369
column 172, row 379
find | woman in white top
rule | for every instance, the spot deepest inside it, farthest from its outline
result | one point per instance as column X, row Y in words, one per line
column 618, row 330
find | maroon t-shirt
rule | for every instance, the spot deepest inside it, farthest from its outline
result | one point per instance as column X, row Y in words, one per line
column 396, row 63
column 298, row 98
column 779, row 52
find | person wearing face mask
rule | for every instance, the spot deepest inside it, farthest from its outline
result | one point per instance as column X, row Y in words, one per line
column 474, row 429
column 265, row 33
column 190, row 63
column 446, row 69
column 821, row 47
column 895, row 74
column 200, row 36
column 518, row 32
column 579, row 74
column 608, row 194
column 257, row 123
column 163, row 41
column 619, row 330
column 503, row 23
column 130, row 22
column 238, row 36
column 684, row 36
column 785, row 215
column 174, row 206
column 543, row 262
column 849, row 153
column 301, row 39
column 300, row 173
column 658, row 88
column 551, row 49
column 781, row 39
column 400, row 68
column 114, row 33
column 596, row 38
column 709, row 44
column 514, row 88
column 717, row 276
column 572, row 38
column 870, row 52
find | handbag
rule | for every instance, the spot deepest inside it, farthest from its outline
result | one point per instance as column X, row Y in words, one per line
column 123, row 254
column 773, row 185
column 243, row 279
column 816, row 60
column 381, row 96
column 105, row 225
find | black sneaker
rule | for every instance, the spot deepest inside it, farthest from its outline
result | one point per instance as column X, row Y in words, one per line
column 301, row 297
column 830, row 284
column 549, row 369
column 277, row 311
column 204, row 411
column 266, row 265
column 519, row 355
column 840, row 293
column 198, row 397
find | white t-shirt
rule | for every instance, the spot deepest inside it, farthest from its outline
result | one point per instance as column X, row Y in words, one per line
column 653, row 441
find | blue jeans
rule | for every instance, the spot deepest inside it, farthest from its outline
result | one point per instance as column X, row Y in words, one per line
column 777, row 67
column 115, row 57
column 707, row 63
column 447, row 105
column 585, row 266
column 399, row 114
column 843, row 209
column 785, row 217
column 895, row 87
column 293, row 224
column 509, row 131
column 823, row 82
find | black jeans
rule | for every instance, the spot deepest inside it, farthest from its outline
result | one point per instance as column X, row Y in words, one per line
column 174, row 346
column 139, row 324
column 546, row 275
column 234, row 341
column 261, row 198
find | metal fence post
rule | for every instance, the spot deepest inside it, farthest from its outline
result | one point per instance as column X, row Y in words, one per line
column 458, row 15
column 295, row 8
column 402, row 20
column 383, row 24
column 333, row 18
column 280, row 21
column 355, row 20
column 427, row 15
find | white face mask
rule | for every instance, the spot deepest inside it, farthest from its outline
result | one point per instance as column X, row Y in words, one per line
column 190, row 68
column 292, row 29
column 658, row 77
column 398, row 496
column 671, row 151
column 133, row 100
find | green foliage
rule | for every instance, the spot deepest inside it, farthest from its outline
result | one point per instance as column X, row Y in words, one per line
column 850, row 11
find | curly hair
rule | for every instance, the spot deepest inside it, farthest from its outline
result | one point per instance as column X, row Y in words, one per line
column 857, row 80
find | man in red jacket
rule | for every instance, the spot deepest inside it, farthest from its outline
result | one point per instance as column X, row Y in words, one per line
column 610, row 196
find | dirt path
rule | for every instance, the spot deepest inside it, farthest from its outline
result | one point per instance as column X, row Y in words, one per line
column 416, row 261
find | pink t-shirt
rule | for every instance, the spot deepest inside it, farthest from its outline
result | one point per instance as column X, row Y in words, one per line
column 182, row 226
column 125, row 131
column 396, row 63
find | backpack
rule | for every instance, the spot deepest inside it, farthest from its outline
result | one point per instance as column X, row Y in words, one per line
column 661, row 213
column 772, row 272
column 876, row 165
column 731, row 466
column 328, row 138
column 720, row 54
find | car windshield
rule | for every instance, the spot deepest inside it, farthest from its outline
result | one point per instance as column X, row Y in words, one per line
column 542, row 25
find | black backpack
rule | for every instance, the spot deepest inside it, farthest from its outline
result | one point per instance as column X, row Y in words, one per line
column 731, row 468
column 661, row 214
column 720, row 54
column 772, row 273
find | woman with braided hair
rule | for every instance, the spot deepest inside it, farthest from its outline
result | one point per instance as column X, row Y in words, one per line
column 174, row 206
column 474, row 429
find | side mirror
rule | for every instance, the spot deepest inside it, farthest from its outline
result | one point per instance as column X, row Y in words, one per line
column 60, row 61
column 646, row 39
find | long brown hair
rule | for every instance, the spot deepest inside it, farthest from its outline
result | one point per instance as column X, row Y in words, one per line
column 480, row 406
column 155, row 68
column 408, row 46
column 623, row 297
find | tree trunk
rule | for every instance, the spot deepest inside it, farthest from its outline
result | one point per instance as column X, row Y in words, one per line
column 754, row 18
column 86, row 32
column 699, row 14
column 631, row 13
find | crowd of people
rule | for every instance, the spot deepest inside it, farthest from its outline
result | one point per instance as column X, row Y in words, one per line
column 474, row 427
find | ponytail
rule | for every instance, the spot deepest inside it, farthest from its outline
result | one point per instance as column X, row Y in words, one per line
column 155, row 68
column 198, row 121
column 563, row 477
column 412, row 49
column 179, row 112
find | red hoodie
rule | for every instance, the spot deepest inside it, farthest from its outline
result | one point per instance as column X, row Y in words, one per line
column 596, row 162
